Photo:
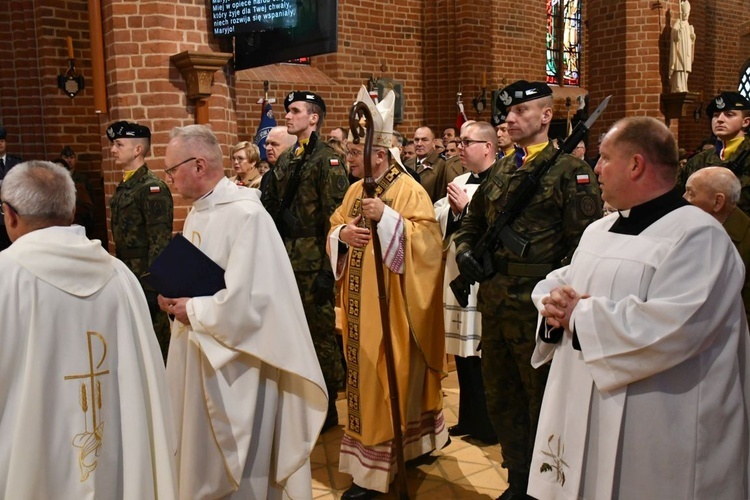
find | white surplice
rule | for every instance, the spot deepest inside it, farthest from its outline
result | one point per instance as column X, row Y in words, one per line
column 654, row 406
column 463, row 325
column 247, row 389
column 84, row 405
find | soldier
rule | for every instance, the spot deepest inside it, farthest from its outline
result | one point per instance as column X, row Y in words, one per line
column 141, row 213
column 304, row 188
column 505, row 146
column 567, row 200
column 730, row 118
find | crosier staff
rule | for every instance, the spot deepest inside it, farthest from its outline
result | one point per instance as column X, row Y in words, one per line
column 361, row 111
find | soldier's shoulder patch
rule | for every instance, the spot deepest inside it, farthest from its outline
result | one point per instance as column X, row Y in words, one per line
column 342, row 183
column 154, row 189
column 587, row 205
column 334, row 162
column 583, row 179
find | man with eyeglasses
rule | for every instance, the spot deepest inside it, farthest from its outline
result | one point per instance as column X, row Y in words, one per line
column 463, row 326
column 248, row 394
column 412, row 263
column 552, row 222
column 141, row 213
column 303, row 190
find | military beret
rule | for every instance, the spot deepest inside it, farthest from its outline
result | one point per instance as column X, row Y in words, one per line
column 128, row 130
column 67, row 151
column 726, row 101
column 522, row 91
column 305, row 96
column 499, row 118
column 3, row 133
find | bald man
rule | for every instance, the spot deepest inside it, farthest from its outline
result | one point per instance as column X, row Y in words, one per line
column 716, row 190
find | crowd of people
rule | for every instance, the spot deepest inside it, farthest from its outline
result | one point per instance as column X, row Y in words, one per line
column 602, row 340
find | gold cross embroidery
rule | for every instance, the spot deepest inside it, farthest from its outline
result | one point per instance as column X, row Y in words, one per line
column 90, row 442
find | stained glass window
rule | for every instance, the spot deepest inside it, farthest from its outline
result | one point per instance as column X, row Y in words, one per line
column 744, row 87
column 564, row 42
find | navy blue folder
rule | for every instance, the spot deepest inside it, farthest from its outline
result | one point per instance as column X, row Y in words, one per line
column 182, row 270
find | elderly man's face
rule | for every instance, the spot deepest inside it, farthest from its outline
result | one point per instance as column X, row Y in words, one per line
column 355, row 159
column 179, row 163
column 699, row 194
column 274, row 145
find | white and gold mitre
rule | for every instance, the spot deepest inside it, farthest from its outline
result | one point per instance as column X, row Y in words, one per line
column 382, row 117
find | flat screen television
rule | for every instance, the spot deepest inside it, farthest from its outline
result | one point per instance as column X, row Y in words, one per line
column 272, row 31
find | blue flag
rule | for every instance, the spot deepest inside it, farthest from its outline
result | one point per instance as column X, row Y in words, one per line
column 267, row 122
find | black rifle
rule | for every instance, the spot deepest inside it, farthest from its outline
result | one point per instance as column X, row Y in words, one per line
column 500, row 232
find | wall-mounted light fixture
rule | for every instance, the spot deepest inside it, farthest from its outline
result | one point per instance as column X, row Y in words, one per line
column 70, row 82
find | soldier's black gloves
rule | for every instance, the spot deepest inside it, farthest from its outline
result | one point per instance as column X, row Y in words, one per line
column 469, row 267
column 324, row 287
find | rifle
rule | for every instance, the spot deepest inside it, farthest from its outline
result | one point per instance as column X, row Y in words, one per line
column 500, row 232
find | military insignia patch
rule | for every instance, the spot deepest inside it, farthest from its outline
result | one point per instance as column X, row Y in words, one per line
column 505, row 98
column 583, row 179
column 334, row 162
column 154, row 189
column 342, row 183
column 720, row 104
column 587, row 205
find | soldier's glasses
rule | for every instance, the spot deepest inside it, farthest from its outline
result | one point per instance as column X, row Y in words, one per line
column 171, row 170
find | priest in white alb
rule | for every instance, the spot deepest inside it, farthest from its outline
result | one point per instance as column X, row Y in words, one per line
column 247, row 389
column 84, row 405
column 648, row 390
column 412, row 264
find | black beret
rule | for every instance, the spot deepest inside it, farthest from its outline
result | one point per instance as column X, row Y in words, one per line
column 522, row 91
column 3, row 133
column 128, row 130
column 500, row 117
column 67, row 151
column 726, row 101
column 305, row 96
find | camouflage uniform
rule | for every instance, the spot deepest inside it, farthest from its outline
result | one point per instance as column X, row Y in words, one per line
column 710, row 158
column 304, row 229
column 141, row 228
column 565, row 203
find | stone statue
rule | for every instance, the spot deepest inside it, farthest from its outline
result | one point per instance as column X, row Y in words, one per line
column 682, row 50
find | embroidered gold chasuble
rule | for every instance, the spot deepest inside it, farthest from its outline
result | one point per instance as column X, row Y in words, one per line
column 411, row 241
